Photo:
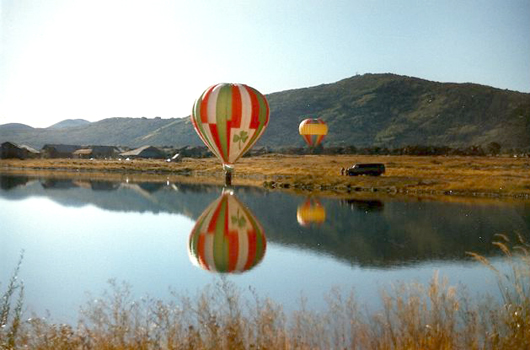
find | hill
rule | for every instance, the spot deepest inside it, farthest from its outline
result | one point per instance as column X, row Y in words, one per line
column 384, row 110
column 112, row 131
column 69, row 123
column 15, row 127
column 391, row 110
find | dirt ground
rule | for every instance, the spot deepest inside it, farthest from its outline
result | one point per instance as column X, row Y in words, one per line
column 485, row 177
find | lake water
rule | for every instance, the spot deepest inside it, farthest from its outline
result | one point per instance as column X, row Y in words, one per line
column 77, row 234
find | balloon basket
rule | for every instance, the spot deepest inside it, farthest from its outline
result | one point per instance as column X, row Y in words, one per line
column 228, row 178
column 228, row 174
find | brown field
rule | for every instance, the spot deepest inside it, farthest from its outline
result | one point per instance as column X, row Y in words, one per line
column 439, row 176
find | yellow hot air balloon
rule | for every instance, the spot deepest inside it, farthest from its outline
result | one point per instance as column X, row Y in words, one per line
column 227, row 237
column 313, row 131
column 311, row 212
column 229, row 119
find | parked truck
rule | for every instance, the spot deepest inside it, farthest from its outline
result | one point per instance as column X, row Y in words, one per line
column 371, row 169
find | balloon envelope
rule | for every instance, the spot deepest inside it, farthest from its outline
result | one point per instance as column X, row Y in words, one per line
column 229, row 119
column 311, row 212
column 313, row 131
column 227, row 237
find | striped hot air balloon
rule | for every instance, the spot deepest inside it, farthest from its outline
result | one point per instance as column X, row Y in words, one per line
column 311, row 212
column 313, row 131
column 227, row 237
column 229, row 119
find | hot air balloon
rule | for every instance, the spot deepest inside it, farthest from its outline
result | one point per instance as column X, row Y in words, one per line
column 227, row 237
column 229, row 119
column 313, row 131
column 311, row 212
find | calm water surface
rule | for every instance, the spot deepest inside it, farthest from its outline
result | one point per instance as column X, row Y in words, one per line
column 78, row 234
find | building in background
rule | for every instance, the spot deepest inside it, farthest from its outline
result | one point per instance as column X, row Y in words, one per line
column 12, row 150
column 59, row 151
column 145, row 152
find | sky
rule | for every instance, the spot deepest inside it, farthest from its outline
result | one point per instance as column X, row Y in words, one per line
column 97, row 59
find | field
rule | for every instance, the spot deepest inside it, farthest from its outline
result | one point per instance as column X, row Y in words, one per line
column 440, row 176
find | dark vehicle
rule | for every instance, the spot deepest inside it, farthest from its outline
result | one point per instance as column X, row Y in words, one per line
column 372, row 169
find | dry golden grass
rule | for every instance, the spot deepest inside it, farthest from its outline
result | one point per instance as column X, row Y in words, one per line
column 434, row 175
column 413, row 316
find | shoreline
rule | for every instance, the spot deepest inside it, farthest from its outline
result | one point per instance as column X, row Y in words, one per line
column 438, row 177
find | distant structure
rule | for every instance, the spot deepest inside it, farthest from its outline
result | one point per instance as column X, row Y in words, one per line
column 97, row 152
column 145, row 152
column 176, row 158
column 12, row 150
column 59, row 151
column 32, row 152
column 195, row 152
column 82, row 153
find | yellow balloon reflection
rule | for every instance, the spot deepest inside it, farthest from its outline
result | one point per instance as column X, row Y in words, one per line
column 311, row 212
column 227, row 237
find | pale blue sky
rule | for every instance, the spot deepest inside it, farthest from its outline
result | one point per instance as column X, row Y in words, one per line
column 98, row 59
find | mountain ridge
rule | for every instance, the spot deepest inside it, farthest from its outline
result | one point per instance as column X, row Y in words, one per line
column 68, row 123
column 385, row 110
column 16, row 127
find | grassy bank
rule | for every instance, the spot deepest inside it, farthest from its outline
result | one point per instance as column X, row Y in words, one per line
column 413, row 316
column 436, row 175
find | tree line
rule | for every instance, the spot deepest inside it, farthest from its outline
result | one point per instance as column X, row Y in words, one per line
column 490, row 149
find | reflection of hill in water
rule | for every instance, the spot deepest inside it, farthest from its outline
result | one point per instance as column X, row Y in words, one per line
column 189, row 200
column 362, row 232
column 404, row 232
column 393, row 232
column 10, row 182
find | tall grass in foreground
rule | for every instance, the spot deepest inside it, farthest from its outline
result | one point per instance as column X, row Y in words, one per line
column 11, row 315
column 413, row 316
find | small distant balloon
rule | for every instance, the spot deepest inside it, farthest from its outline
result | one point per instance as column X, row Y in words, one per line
column 311, row 212
column 227, row 237
column 229, row 119
column 313, row 131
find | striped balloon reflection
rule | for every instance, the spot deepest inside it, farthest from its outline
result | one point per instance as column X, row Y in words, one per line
column 227, row 237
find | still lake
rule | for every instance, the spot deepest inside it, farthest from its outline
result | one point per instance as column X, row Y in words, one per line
column 77, row 234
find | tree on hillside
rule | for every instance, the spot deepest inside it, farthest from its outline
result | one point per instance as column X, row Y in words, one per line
column 493, row 148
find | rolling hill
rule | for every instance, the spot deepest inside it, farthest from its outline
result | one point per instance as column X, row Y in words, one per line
column 69, row 123
column 15, row 127
column 391, row 110
column 365, row 110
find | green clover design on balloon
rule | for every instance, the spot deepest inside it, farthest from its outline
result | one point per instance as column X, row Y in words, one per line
column 239, row 220
column 241, row 138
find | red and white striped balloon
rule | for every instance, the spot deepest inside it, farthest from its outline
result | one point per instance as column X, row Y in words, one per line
column 227, row 237
column 229, row 119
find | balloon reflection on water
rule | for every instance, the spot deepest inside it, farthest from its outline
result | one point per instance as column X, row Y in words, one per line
column 311, row 212
column 227, row 237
